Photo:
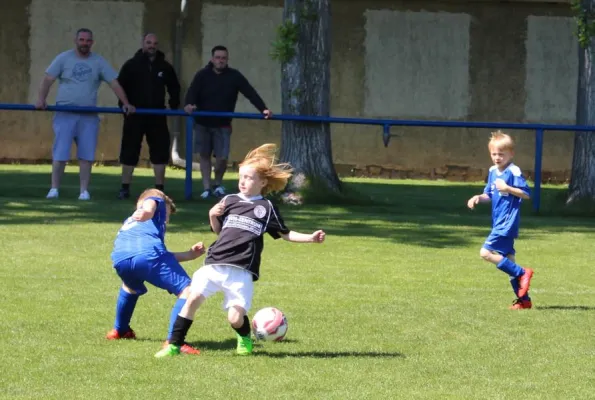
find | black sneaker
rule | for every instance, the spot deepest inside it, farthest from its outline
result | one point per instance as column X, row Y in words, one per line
column 124, row 194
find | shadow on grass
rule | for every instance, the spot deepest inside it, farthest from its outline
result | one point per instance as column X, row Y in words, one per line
column 565, row 308
column 220, row 345
column 259, row 350
column 327, row 354
column 433, row 215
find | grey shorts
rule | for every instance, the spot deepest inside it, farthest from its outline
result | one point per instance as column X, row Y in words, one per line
column 82, row 129
column 212, row 141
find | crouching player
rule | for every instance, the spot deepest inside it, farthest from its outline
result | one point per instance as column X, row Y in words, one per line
column 139, row 255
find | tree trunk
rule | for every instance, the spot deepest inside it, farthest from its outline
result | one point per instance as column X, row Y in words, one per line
column 305, row 86
column 582, row 181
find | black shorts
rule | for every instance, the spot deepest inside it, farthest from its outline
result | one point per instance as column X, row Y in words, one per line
column 157, row 134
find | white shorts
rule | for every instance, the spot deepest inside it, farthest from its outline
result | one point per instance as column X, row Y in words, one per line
column 235, row 283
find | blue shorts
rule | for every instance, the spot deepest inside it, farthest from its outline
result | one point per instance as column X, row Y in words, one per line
column 164, row 272
column 503, row 245
column 81, row 129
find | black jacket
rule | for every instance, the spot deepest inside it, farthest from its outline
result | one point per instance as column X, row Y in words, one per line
column 211, row 91
column 144, row 82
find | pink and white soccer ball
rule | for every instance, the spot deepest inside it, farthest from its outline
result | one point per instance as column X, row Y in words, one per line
column 269, row 324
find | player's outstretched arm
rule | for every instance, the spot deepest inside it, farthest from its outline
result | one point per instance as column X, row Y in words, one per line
column 297, row 237
column 480, row 198
column 195, row 251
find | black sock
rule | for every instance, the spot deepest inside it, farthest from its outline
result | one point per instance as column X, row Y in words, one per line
column 126, row 186
column 180, row 330
column 244, row 330
column 160, row 187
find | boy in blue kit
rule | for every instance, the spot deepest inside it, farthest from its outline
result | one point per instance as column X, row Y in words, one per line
column 140, row 256
column 506, row 188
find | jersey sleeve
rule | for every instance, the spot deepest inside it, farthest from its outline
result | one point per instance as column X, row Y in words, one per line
column 107, row 72
column 276, row 226
column 55, row 68
column 160, row 211
column 488, row 188
column 519, row 181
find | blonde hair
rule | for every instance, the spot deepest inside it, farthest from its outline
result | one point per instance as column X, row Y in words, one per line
column 264, row 160
column 501, row 140
column 156, row 193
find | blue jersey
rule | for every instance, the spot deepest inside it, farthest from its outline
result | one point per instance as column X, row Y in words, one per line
column 142, row 238
column 506, row 210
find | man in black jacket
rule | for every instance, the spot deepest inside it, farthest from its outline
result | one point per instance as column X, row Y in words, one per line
column 216, row 88
column 145, row 78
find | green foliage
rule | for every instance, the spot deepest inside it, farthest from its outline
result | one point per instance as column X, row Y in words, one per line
column 284, row 46
column 288, row 32
column 585, row 20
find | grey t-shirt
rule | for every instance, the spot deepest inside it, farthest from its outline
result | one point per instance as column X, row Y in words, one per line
column 79, row 78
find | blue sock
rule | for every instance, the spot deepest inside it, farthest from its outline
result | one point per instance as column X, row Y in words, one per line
column 174, row 314
column 509, row 267
column 124, row 309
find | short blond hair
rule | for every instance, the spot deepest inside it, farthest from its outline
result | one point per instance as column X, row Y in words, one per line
column 156, row 193
column 501, row 140
column 264, row 160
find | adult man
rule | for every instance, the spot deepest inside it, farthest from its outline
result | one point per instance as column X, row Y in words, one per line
column 145, row 78
column 79, row 73
column 216, row 88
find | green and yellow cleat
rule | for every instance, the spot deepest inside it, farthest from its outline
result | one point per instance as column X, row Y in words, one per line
column 245, row 345
column 168, row 351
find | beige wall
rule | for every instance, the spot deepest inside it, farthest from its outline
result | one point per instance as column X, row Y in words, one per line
column 479, row 61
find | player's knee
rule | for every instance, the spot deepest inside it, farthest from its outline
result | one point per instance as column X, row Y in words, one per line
column 235, row 316
column 193, row 297
column 184, row 294
column 485, row 254
column 128, row 290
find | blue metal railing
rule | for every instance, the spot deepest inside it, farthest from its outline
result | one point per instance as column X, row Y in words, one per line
column 385, row 123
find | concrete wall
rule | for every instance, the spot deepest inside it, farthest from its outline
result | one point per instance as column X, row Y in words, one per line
column 447, row 60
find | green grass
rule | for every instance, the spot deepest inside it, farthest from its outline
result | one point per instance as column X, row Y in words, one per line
column 396, row 304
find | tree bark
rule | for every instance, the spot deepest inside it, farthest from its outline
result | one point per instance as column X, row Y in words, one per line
column 305, row 87
column 582, row 181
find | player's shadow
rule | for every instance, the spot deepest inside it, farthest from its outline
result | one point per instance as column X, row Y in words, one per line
column 227, row 344
column 215, row 346
column 327, row 354
column 565, row 308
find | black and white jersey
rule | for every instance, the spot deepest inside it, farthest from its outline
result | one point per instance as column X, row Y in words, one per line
column 243, row 225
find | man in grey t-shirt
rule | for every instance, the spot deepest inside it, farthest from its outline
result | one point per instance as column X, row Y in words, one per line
column 79, row 73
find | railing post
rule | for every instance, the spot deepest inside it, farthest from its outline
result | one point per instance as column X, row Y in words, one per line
column 537, row 172
column 189, row 157
column 386, row 134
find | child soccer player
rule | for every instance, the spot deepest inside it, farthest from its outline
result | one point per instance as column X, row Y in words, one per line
column 506, row 188
column 140, row 256
column 233, row 260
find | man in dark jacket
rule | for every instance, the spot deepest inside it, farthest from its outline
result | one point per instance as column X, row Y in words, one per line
column 145, row 78
column 216, row 88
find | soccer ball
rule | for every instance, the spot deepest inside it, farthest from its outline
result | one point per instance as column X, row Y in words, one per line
column 269, row 324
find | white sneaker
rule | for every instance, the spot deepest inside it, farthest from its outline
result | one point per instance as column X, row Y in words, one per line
column 206, row 194
column 52, row 194
column 219, row 191
column 85, row 196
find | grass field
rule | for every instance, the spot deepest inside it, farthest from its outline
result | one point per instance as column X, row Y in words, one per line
column 395, row 305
